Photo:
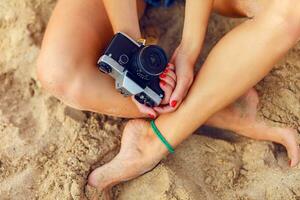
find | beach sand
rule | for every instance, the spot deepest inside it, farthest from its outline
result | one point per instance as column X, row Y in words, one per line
column 47, row 149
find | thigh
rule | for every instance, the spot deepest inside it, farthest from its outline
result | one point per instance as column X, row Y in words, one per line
column 80, row 28
column 77, row 29
column 77, row 33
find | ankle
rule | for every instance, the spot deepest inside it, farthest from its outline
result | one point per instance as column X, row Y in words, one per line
column 145, row 140
column 242, row 126
column 154, row 145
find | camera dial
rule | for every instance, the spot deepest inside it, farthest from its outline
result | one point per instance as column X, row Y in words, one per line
column 123, row 59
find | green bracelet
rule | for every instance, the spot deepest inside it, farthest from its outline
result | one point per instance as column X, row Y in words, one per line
column 161, row 137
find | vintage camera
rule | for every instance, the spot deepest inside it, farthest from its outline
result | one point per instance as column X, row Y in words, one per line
column 135, row 68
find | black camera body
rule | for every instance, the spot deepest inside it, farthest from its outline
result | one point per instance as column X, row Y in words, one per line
column 135, row 68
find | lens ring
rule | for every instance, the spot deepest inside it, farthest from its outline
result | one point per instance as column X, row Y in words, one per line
column 152, row 59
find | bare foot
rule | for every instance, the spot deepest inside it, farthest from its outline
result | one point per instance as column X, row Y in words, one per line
column 241, row 117
column 136, row 156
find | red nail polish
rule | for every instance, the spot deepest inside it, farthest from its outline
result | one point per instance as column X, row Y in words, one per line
column 163, row 82
column 151, row 116
column 169, row 64
column 166, row 71
column 163, row 75
column 173, row 104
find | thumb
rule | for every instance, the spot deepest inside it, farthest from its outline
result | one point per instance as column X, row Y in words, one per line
column 145, row 109
column 172, row 60
column 179, row 93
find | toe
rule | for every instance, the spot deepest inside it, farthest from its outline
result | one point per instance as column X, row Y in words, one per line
column 292, row 147
column 294, row 157
column 106, row 175
column 96, row 178
column 288, row 138
column 285, row 136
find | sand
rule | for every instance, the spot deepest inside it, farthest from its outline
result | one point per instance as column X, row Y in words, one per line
column 48, row 149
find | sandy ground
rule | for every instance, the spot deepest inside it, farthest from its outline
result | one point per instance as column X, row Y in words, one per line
column 48, row 149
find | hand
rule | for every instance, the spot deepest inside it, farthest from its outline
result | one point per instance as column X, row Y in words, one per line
column 184, row 69
column 167, row 84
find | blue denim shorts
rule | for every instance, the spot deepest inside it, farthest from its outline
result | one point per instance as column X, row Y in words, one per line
column 158, row 3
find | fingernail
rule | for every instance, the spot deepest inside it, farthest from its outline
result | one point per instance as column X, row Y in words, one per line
column 151, row 116
column 173, row 104
column 163, row 75
column 166, row 71
column 163, row 82
column 169, row 64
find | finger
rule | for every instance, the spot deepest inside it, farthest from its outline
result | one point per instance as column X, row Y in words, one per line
column 170, row 73
column 172, row 60
column 170, row 66
column 164, row 109
column 179, row 93
column 168, row 80
column 145, row 109
column 167, row 90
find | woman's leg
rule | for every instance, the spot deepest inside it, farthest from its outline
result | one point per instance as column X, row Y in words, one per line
column 240, row 116
column 67, row 66
column 75, row 37
column 77, row 33
column 236, row 64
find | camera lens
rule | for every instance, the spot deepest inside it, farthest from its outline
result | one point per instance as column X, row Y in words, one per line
column 152, row 60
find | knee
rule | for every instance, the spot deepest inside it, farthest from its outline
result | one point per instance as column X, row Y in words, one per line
column 51, row 73
column 58, row 74
column 287, row 13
